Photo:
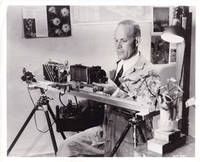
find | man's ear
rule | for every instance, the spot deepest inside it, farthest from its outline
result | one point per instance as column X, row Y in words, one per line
column 137, row 41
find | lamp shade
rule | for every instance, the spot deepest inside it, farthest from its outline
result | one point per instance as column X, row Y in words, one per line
column 173, row 34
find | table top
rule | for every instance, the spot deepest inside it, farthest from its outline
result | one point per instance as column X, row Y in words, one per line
column 140, row 108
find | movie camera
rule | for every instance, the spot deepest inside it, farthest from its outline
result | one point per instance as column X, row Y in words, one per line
column 56, row 72
column 87, row 74
column 82, row 76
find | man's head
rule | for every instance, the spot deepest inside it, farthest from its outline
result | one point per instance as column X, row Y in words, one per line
column 127, row 39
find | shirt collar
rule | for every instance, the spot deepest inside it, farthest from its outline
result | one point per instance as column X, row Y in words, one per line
column 127, row 64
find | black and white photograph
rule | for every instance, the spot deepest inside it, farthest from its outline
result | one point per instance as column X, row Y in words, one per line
column 29, row 28
column 159, row 50
column 173, row 55
column 160, row 18
column 46, row 21
column 97, row 81
column 58, row 21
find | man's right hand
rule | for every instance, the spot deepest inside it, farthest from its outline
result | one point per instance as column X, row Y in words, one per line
column 108, row 87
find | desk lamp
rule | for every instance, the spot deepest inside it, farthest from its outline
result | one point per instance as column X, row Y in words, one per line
column 178, row 32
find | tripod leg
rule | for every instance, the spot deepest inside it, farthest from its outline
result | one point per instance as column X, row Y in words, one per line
column 134, row 136
column 141, row 134
column 21, row 130
column 118, row 143
column 51, row 132
column 54, row 118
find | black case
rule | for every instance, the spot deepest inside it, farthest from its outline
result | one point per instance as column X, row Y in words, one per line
column 92, row 116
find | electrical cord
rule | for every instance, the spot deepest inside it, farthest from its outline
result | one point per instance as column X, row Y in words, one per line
column 60, row 99
column 60, row 94
column 35, row 118
column 76, row 101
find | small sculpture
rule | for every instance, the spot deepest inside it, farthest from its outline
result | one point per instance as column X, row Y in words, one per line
column 167, row 100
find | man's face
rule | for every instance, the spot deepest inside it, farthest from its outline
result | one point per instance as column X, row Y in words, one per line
column 125, row 43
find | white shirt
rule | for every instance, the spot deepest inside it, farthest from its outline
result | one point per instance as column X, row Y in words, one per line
column 127, row 64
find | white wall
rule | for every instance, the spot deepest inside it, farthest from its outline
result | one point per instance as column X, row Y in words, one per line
column 90, row 44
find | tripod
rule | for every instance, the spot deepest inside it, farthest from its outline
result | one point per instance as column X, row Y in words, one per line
column 135, row 123
column 42, row 102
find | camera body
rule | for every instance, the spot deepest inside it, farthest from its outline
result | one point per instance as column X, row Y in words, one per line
column 87, row 74
column 55, row 72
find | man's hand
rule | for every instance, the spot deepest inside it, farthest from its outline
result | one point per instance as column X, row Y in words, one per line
column 108, row 87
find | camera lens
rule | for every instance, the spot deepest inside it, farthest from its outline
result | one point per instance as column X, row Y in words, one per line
column 101, row 76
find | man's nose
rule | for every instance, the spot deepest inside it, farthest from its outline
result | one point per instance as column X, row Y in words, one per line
column 119, row 45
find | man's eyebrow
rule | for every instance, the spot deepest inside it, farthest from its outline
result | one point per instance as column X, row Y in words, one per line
column 125, row 38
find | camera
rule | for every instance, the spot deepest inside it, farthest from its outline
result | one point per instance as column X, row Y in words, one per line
column 87, row 74
column 28, row 76
column 55, row 72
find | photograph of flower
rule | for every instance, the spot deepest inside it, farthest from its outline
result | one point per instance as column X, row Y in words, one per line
column 160, row 18
column 29, row 28
column 58, row 21
column 159, row 50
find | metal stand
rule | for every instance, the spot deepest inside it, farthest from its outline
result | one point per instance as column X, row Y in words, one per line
column 42, row 102
column 133, row 122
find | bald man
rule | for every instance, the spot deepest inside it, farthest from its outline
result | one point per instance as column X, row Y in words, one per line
column 97, row 141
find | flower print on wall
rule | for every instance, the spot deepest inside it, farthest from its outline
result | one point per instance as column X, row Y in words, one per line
column 59, row 24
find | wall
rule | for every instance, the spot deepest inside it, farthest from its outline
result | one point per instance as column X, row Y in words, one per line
column 90, row 44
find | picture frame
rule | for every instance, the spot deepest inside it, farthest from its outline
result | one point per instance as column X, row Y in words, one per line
column 58, row 20
column 159, row 50
column 46, row 21
column 161, row 19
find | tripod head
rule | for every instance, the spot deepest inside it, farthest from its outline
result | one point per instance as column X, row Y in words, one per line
column 32, row 83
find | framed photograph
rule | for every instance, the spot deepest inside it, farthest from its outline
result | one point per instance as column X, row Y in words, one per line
column 29, row 28
column 58, row 21
column 160, row 19
column 172, row 55
column 46, row 21
column 159, row 50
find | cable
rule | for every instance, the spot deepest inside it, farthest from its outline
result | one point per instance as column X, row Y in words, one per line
column 35, row 120
column 60, row 94
column 77, row 105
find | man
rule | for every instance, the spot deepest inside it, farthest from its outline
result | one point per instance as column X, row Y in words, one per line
column 130, row 67
column 133, row 66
